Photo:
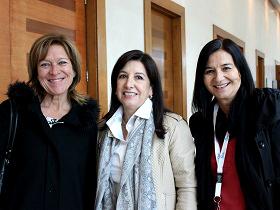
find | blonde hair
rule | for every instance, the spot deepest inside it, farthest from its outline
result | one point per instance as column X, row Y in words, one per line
column 39, row 51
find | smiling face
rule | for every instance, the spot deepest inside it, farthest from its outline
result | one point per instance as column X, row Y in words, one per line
column 133, row 86
column 55, row 71
column 221, row 77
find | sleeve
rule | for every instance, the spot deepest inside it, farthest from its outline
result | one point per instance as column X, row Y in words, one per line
column 182, row 154
column 91, row 175
column 195, row 124
column 4, row 128
column 275, row 149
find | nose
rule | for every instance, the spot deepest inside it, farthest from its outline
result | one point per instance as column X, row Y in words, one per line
column 54, row 69
column 129, row 82
column 219, row 75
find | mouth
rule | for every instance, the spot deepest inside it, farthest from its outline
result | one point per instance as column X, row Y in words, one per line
column 55, row 80
column 221, row 86
column 129, row 93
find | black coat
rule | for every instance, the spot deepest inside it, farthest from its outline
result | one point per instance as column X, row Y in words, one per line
column 257, row 130
column 51, row 168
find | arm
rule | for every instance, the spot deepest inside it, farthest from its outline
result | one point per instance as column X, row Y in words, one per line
column 4, row 128
column 182, row 153
column 275, row 149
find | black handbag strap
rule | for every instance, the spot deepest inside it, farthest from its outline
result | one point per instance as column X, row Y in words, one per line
column 12, row 130
column 10, row 143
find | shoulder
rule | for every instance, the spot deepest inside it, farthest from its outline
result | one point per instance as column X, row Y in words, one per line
column 267, row 104
column 267, row 94
column 196, row 119
column 172, row 121
column 196, row 123
column 21, row 93
column 170, row 117
column 87, row 112
column 92, row 107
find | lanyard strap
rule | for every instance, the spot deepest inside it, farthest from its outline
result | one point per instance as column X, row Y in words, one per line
column 220, row 158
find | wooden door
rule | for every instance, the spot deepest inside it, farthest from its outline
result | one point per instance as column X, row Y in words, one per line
column 165, row 42
column 29, row 19
column 5, row 50
column 260, row 78
column 278, row 75
column 162, row 53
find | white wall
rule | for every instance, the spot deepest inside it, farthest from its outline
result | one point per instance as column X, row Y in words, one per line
column 124, row 30
column 253, row 21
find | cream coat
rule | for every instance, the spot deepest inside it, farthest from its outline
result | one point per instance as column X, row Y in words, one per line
column 173, row 166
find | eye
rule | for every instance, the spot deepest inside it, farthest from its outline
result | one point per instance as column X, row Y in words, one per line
column 227, row 68
column 122, row 76
column 62, row 63
column 209, row 71
column 44, row 65
column 139, row 77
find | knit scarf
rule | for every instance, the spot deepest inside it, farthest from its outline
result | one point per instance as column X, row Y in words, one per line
column 137, row 190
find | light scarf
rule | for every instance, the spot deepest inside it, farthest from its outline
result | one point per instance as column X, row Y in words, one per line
column 137, row 191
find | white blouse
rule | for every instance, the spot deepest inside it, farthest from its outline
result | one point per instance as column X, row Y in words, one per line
column 114, row 124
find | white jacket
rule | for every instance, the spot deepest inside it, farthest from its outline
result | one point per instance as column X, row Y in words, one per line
column 173, row 166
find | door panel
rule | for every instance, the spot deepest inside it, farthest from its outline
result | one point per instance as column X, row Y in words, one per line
column 260, row 72
column 165, row 42
column 5, row 56
column 278, row 76
column 162, row 53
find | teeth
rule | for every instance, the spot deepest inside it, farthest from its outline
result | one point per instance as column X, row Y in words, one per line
column 221, row 86
column 129, row 94
column 55, row 80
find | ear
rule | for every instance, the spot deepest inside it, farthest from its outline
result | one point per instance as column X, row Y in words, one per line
column 151, row 91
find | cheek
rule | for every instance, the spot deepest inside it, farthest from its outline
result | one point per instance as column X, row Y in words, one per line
column 40, row 76
column 206, row 82
column 118, row 92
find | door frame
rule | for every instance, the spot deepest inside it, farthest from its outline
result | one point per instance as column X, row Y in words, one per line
column 277, row 64
column 177, row 13
column 218, row 32
column 261, row 55
column 96, row 53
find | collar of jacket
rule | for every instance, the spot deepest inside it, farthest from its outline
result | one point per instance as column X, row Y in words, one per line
column 84, row 115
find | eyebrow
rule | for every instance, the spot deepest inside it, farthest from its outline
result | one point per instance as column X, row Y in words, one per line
column 225, row 64
column 57, row 59
column 137, row 73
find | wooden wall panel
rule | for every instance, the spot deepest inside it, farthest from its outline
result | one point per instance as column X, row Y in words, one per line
column 4, row 48
column 67, row 4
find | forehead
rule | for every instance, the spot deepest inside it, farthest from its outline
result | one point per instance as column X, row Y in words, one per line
column 220, row 57
column 56, row 49
column 134, row 67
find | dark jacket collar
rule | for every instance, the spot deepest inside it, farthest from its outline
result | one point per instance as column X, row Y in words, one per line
column 25, row 98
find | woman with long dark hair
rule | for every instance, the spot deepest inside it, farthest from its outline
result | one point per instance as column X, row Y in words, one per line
column 236, row 128
column 146, row 153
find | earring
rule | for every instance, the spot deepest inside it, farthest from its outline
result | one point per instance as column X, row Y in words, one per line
column 150, row 97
